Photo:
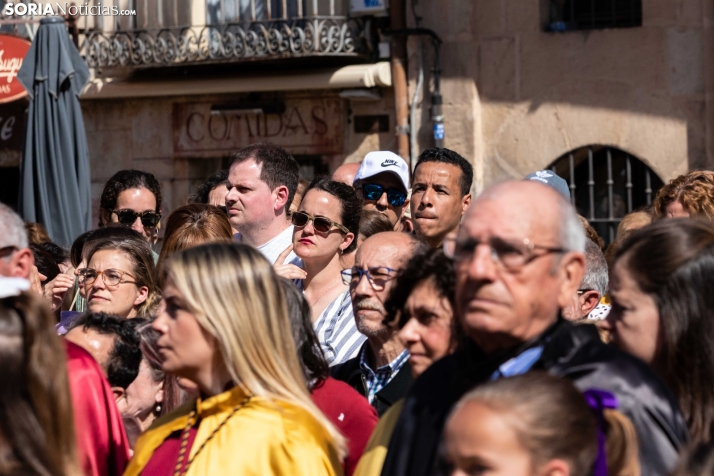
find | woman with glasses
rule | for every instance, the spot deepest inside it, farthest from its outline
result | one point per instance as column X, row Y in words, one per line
column 132, row 198
column 225, row 327
column 326, row 226
column 120, row 278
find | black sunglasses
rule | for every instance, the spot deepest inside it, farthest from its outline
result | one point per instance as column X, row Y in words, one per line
column 321, row 224
column 148, row 218
column 372, row 191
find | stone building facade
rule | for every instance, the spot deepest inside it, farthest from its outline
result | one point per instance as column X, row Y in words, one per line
column 518, row 97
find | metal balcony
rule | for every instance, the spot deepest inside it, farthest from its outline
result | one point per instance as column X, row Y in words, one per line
column 184, row 32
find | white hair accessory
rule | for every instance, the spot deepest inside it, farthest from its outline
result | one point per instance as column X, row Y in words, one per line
column 12, row 286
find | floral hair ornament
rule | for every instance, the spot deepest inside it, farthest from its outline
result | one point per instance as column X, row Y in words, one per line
column 598, row 401
column 12, row 286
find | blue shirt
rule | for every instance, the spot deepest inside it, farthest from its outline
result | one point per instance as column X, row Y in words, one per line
column 377, row 380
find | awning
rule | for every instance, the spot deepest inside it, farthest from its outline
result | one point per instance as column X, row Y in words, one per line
column 354, row 76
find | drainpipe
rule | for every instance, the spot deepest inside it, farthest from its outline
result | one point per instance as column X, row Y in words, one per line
column 397, row 11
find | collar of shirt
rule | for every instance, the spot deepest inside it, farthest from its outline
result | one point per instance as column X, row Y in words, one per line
column 519, row 364
column 376, row 380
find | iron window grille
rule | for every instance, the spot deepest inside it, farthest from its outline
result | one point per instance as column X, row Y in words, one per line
column 606, row 184
column 564, row 15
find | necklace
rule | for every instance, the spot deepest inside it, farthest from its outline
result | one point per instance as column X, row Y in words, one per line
column 185, row 433
column 326, row 291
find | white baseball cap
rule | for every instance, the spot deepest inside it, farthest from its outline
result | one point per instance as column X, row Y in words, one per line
column 383, row 161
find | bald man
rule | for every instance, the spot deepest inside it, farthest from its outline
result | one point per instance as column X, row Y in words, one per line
column 381, row 371
column 345, row 173
column 519, row 260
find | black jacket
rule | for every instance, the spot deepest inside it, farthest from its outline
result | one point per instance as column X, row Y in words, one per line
column 397, row 388
column 574, row 352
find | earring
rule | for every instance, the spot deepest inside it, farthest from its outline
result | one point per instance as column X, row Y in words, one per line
column 157, row 408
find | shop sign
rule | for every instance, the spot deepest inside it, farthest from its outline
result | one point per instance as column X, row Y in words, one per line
column 12, row 54
column 308, row 126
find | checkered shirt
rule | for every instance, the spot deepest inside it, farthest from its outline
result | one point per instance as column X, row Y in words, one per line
column 376, row 381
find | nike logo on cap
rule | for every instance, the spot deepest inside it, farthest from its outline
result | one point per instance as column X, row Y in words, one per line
column 389, row 162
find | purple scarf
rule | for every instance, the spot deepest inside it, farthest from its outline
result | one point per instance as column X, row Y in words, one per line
column 599, row 400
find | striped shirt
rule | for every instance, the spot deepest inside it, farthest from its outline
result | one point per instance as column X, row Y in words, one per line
column 337, row 331
column 377, row 380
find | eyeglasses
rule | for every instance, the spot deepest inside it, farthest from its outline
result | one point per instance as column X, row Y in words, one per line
column 372, row 191
column 321, row 224
column 7, row 251
column 148, row 218
column 378, row 277
column 583, row 291
column 111, row 277
column 512, row 255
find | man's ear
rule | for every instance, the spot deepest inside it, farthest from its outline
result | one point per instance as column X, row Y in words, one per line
column 571, row 269
column 589, row 301
column 465, row 203
column 281, row 194
column 118, row 393
column 22, row 263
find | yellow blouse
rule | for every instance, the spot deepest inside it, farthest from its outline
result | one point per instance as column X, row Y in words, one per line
column 262, row 438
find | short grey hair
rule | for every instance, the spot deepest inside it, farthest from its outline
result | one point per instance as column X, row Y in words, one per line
column 596, row 273
column 572, row 234
column 14, row 233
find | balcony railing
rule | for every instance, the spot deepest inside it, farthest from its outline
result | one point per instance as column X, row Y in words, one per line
column 178, row 32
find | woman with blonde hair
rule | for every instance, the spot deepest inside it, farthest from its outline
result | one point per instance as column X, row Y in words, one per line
column 192, row 225
column 225, row 327
column 36, row 421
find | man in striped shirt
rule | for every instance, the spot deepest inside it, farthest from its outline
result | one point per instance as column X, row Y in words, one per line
column 381, row 371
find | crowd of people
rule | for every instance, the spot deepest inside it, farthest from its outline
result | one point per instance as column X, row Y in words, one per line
column 380, row 321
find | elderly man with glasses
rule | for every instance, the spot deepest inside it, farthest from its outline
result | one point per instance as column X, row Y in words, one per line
column 519, row 260
column 381, row 371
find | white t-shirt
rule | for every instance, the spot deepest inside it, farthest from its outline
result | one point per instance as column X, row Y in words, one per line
column 272, row 249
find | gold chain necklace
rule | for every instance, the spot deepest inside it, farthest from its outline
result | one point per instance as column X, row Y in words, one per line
column 185, row 434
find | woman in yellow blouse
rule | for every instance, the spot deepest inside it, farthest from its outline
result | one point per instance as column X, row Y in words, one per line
column 225, row 327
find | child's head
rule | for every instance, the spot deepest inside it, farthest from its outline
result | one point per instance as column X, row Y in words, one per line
column 530, row 425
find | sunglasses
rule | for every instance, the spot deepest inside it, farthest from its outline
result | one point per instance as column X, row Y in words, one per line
column 127, row 217
column 372, row 191
column 321, row 224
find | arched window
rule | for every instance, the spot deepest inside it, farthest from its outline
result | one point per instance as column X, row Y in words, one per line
column 605, row 184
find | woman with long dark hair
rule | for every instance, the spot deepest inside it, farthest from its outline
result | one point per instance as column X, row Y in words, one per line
column 662, row 289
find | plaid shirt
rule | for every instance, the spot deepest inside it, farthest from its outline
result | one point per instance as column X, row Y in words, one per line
column 376, row 381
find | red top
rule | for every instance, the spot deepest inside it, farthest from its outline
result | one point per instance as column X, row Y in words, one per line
column 350, row 412
column 101, row 440
column 163, row 461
